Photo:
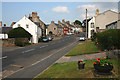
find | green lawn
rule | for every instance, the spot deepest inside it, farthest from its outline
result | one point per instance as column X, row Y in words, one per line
column 84, row 48
column 70, row 70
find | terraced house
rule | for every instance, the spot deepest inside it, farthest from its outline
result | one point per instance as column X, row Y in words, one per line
column 54, row 28
column 35, row 18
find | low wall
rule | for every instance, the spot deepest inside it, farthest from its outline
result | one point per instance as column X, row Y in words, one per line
column 11, row 41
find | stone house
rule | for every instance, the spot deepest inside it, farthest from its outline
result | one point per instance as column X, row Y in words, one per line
column 56, row 29
column 35, row 18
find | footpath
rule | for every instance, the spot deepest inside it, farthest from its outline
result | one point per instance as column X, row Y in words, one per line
column 81, row 57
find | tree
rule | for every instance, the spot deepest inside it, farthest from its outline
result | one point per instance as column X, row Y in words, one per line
column 84, row 22
column 78, row 22
column 19, row 33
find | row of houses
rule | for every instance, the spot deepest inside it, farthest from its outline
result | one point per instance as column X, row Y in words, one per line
column 38, row 28
column 103, row 21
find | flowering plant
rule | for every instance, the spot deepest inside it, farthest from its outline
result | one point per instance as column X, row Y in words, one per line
column 102, row 61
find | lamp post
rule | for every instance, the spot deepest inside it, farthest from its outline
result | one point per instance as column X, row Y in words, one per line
column 86, row 24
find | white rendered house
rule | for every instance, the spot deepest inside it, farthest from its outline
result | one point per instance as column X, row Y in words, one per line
column 32, row 27
column 91, row 27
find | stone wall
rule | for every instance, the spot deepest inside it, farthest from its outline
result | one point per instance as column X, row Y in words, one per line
column 11, row 41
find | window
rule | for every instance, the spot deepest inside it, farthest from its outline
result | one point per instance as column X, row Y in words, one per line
column 92, row 25
column 54, row 29
column 27, row 26
column 18, row 25
column 97, row 28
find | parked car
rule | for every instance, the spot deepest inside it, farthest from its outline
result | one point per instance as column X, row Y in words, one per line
column 50, row 38
column 82, row 39
column 45, row 39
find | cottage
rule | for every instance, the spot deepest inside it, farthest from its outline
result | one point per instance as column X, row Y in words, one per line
column 4, row 32
column 34, row 28
column 35, row 18
column 54, row 28
column 103, row 21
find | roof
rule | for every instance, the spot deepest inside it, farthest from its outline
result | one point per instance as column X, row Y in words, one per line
column 58, row 26
column 5, row 30
column 38, row 24
column 64, row 25
column 107, row 11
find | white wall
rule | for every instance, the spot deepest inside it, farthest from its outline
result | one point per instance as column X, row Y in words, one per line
column 32, row 28
column 89, row 26
column 3, row 36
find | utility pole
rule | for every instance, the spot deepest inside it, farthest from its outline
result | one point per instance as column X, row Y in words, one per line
column 86, row 24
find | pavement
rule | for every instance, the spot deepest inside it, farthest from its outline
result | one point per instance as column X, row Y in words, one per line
column 29, row 61
column 81, row 57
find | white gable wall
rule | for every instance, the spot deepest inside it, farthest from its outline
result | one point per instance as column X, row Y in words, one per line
column 32, row 28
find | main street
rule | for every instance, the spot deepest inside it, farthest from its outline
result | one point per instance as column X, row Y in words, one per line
column 29, row 61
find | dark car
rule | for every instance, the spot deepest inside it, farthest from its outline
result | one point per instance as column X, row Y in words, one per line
column 45, row 39
column 50, row 38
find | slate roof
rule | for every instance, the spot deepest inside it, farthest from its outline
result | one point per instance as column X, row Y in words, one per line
column 38, row 24
column 64, row 25
column 5, row 30
column 59, row 26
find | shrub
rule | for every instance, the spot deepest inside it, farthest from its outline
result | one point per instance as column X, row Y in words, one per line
column 21, row 42
column 108, row 39
column 19, row 33
column 40, row 39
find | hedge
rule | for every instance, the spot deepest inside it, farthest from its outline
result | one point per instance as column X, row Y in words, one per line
column 107, row 40
column 19, row 33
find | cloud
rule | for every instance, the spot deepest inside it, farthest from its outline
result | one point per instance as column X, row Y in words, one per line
column 61, row 9
column 91, row 7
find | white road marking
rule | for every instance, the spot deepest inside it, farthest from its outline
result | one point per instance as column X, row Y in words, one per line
column 3, row 57
column 43, row 46
column 28, row 51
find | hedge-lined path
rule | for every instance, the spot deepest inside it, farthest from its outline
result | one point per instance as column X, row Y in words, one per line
column 81, row 57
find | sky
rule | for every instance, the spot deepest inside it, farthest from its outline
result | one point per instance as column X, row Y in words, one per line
column 53, row 11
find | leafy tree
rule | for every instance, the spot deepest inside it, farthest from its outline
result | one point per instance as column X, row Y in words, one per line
column 78, row 22
column 19, row 33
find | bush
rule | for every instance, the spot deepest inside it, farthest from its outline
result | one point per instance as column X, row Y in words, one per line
column 40, row 39
column 19, row 33
column 108, row 39
column 21, row 42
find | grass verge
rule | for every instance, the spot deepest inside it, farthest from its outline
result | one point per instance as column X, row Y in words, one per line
column 70, row 70
column 83, row 48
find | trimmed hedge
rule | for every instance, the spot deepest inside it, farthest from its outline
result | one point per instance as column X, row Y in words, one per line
column 107, row 40
column 19, row 33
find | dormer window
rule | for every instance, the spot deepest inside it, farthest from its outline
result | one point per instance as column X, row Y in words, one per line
column 27, row 26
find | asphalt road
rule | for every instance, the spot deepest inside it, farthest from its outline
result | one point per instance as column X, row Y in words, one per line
column 36, row 58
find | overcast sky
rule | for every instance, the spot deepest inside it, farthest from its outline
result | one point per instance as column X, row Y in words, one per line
column 48, row 11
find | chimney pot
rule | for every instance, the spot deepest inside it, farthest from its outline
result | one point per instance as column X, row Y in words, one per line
column 34, row 14
column 63, row 21
column 4, row 25
column 58, row 22
column 52, row 21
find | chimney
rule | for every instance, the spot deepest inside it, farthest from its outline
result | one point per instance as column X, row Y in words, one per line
column 63, row 21
column 38, row 17
column 4, row 25
column 97, row 11
column 58, row 22
column 34, row 14
column 30, row 15
column 68, row 22
column 52, row 22
column 0, row 23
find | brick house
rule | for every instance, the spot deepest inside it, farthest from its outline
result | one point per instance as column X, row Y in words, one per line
column 56, row 29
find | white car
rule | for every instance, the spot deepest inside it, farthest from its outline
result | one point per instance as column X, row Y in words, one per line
column 82, row 39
